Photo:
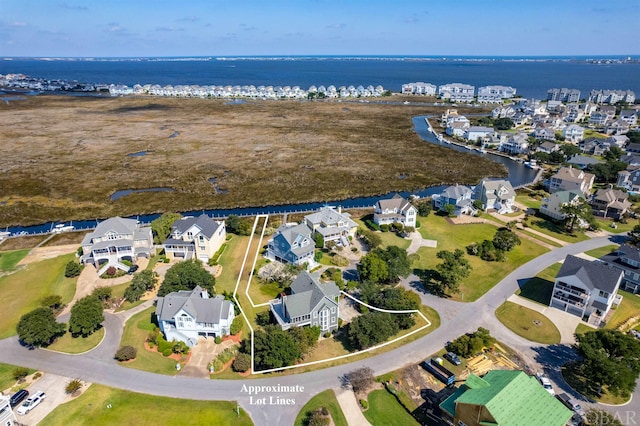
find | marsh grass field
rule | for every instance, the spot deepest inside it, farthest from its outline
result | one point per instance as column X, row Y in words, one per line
column 64, row 156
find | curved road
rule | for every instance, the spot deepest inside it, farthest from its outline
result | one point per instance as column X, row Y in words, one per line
column 99, row 366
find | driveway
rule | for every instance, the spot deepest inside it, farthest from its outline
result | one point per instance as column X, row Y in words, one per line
column 417, row 241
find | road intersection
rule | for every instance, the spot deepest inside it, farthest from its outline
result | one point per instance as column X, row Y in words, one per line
column 98, row 365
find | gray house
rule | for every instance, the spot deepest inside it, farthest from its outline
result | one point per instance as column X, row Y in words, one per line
column 291, row 243
column 310, row 303
column 495, row 194
column 627, row 259
column 186, row 315
column 459, row 196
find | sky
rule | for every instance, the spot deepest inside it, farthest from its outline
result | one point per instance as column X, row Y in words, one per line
column 138, row 28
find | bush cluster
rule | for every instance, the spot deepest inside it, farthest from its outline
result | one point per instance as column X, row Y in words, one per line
column 73, row 386
column 72, row 269
column 471, row 343
column 242, row 363
column 126, row 353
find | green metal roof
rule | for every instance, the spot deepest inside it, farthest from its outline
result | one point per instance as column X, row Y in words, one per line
column 513, row 398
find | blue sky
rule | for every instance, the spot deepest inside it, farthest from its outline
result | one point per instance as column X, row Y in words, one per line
column 53, row 28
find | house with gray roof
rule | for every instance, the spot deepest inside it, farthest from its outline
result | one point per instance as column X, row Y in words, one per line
column 495, row 194
column 548, row 147
column 609, row 202
column 187, row 315
column 395, row 210
column 552, row 205
column 586, row 288
column 629, row 179
column 582, row 161
column 114, row 240
column 292, row 243
column 627, row 259
column 310, row 303
column 195, row 238
column 459, row 196
column 333, row 224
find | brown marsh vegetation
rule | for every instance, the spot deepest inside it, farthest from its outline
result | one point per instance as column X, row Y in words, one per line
column 64, row 156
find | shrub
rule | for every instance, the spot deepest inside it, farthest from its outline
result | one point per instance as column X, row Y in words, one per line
column 318, row 418
column 20, row 373
column 226, row 355
column 125, row 353
column 339, row 322
column 327, row 334
column 397, row 226
column 364, row 403
column 218, row 340
column 126, row 262
column 53, row 301
column 317, row 256
column 217, row 365
column 73, row 386
column 384, row 228
column 111, row 271
column 163, row 345
column 167, row 352
column 242, row 363
column 236, row 325
column 72, row 269
column 179, row 347
column 339, row 260
column 37, row 375
column 409, row 229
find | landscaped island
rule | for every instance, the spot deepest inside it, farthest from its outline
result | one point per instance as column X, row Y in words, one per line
column 64, row 157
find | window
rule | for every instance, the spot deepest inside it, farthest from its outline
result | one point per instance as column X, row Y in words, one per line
column 324, row 319
column 189, row 235
column 410, row 213
column 333, row 310
column 461, row 423
column 315, row 314
column 604, row 294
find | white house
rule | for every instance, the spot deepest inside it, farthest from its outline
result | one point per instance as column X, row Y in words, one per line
column 552, row 205
column 186, row 315
column 333, row 224
column 457, row 92
column 568, row 179
column 7, row 416
column 474, row 133
column 586, row 289
column 495, row 194
column 395, row 210
column 573, row 133
column 419, row 88
column 495, row 94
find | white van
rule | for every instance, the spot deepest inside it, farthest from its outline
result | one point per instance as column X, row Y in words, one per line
column 31, row 403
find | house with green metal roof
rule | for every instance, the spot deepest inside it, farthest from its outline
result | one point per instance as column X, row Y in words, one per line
column 505, row 398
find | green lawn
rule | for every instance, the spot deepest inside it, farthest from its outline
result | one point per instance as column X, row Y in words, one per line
column 135, row 333
column 323, row 399
column 77, row 345
column 605, row 225
column 554, row 230
column 525, row 199
column 602, row 251
column 528, row 323
column 539, row 288
column 100, row 405
column 23, row 290
column 231, row 261
column 6, row 375
column 484, row 275
column 385, row 410
column 628, row 308
column 117, row 292
column 391, row 239
column 9, row 259
column 583, row 328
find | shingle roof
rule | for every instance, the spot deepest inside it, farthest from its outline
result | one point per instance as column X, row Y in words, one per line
column 294, row 233
column 513, row 398
column 330, row 216
column 207, row 226
column 202, row 310
column 307, row 293
column 595, row 275
column 456, row 191
column 116, row 224
column 395, row 202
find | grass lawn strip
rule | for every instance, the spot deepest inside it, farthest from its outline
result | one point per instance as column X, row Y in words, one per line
column 323, row 399
column 602, row 251
column 9, row 259
column 629, row 308
column 100, row 405
column 23, row 290
column 528, row 323
column 77, row 345
column 385, row 410
column 581, row 385
column 554, row 230
column 6, row 375
column 539, row 288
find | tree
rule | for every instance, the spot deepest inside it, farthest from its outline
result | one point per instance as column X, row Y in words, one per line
column 634, row 235
column 398, row 299
column 360, row 379
column 597, row 417
column 449, row 209
column 319, row 240
column 425, row 207
column 238, row 226
column 453, row 269
column 397, row 260
column 370, row 238
column 610, row 358
column 505, row 240
column 607, row 172
column 373, row 268
column 39, row 327
column 574, row 213
column 186, row 276
column 242, row 362
column 86, row 316
column 613, row 153
column 142, row 282
column 274, row 348
column 53, row 302
column 569, row 150
column 19, row 373
column 236, row 325
column 161, row 227
column 371, row 328
column 471, row 343
column 102, row 293
column 72, row 269
column 126, row 353
column 503, row 124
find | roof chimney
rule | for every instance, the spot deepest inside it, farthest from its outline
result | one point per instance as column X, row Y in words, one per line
column 204, row 294
column 340, row 209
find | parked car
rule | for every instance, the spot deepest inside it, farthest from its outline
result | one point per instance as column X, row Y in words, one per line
column 546, row 383
column 132, row 269
column 452, row 358
column 18, row 397
column 31, row 403
column 571, row 404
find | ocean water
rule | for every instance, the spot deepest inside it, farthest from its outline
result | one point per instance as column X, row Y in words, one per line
column 532, row 78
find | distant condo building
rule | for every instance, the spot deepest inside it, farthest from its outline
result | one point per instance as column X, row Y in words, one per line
column 419, row 88
column 612, row 96
column 495, row 94
column 563, row 95
column 457, row 92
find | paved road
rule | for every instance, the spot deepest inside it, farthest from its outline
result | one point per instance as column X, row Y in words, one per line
column 98, row 365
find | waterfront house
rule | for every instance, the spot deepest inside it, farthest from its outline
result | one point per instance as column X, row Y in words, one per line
column 291, row 243
column 419, row 88
column 551, row 206
column 612, row 96
column 585, row 288
column 610, row 202
column 310, row 303
column 333, row 224
column 630, row 116
column 456, row 92
column 114, row 240
column 503, row 112
column 548, row 147
column 495, row 94
column 496, row 194
column 188, row 314
column 395, row 210
column 475, row 133
column 459, row 196
column 195, row 238
column 503, row 397
column 626, row 258
column 568, row 179
column 457, row 128
column 573, row 133
column 599, row 118
column 563, row 95
column 515, row 143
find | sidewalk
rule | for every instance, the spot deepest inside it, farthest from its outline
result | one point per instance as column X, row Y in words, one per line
column 417, row 241
column 350, row 407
